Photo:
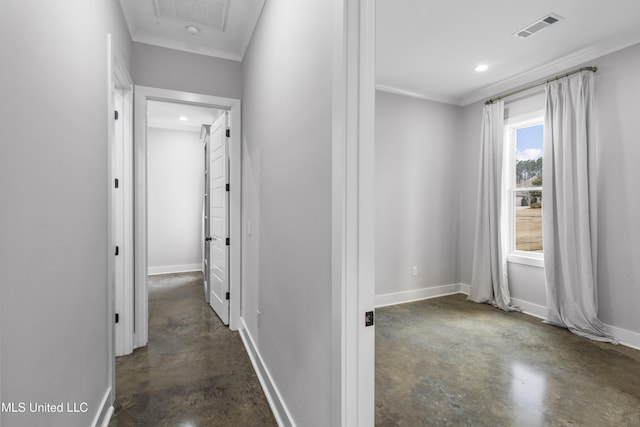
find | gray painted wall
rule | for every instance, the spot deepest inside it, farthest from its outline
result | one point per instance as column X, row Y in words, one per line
column 617, row 94
column 468, row 160
column 287, row 199
column 416, row 192
column 53, row 187
column 165, row 68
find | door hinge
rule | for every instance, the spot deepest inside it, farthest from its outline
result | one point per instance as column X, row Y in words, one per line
column 227, row 242
column 115, row 115
column 117, row 250
column 117, row 183
column 227, row 295
column 117, row 317
column 227, row 187
column 368, row 318
column 228, row 133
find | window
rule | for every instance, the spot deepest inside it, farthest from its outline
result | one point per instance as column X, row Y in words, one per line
column 523, row 189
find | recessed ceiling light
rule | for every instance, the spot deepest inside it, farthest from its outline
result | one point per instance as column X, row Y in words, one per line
column 482, row 67
column 184, row 118
column 192, row 29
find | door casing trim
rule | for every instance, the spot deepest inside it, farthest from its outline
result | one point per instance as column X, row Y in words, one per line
column 143, row 94
column 118, row 77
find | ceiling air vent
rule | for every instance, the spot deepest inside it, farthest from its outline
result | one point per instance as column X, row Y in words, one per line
column 207, row 13
column 540, row 24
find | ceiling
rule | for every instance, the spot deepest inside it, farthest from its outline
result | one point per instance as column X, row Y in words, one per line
column 166, row 115
column 225, row 26
column 430, row 48
column 424, row 48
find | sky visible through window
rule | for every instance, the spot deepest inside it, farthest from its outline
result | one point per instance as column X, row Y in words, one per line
column 528, row 203
column 529, row 143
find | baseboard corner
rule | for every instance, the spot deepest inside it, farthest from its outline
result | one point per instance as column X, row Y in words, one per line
column 464, row 288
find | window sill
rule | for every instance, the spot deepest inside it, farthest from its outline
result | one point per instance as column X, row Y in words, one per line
column 531, row 260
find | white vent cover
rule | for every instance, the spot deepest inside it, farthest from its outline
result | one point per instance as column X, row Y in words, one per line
column 540, row 24
column 208, row 13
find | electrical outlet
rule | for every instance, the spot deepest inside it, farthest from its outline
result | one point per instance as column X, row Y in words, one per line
column 249, row 228
column 414, row 270
column 258, row 318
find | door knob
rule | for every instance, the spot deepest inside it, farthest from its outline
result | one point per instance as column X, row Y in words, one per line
column 208, row 239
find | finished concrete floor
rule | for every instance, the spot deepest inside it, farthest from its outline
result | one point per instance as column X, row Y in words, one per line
column 439, row 362
column 451, row 362
column 194, row 371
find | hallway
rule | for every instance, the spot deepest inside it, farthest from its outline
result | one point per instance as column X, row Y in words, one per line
column 194, row 371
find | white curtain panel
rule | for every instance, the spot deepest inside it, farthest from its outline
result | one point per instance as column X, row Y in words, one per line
column 489, row 282
column 568, row 208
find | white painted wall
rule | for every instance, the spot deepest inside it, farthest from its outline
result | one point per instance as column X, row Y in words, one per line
column 286, row 267
column 53, row 192
column 165, row 68
column 416, row 192
column 617, row 94
column 175, row 161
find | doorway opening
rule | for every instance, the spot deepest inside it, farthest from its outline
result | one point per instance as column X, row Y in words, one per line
column 187, row 197
column 144, row 97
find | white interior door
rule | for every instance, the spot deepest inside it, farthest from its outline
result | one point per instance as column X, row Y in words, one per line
column 204, row 135
column 121, row 214
column 118, row 228
column 118, row 238
column 120, row 181
column 218, row 238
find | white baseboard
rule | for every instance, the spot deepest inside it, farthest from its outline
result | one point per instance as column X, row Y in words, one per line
column 103, row 416
column 166, row 269
column 626, row 337
column 278, row 407
column 420, row 294
column 539, row 311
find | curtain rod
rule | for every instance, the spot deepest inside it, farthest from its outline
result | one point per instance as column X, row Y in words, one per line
column 531, row 86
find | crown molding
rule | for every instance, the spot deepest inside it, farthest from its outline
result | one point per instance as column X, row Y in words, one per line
column 525, row 78
column 176, row 45
column 429, row 97
column 544, row 71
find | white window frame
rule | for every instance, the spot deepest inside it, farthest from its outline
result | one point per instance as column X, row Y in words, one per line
column 511, row 125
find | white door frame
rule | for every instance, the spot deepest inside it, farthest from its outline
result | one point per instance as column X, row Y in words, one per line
column 353, row 287
column 142, row 94
column 118, row 78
